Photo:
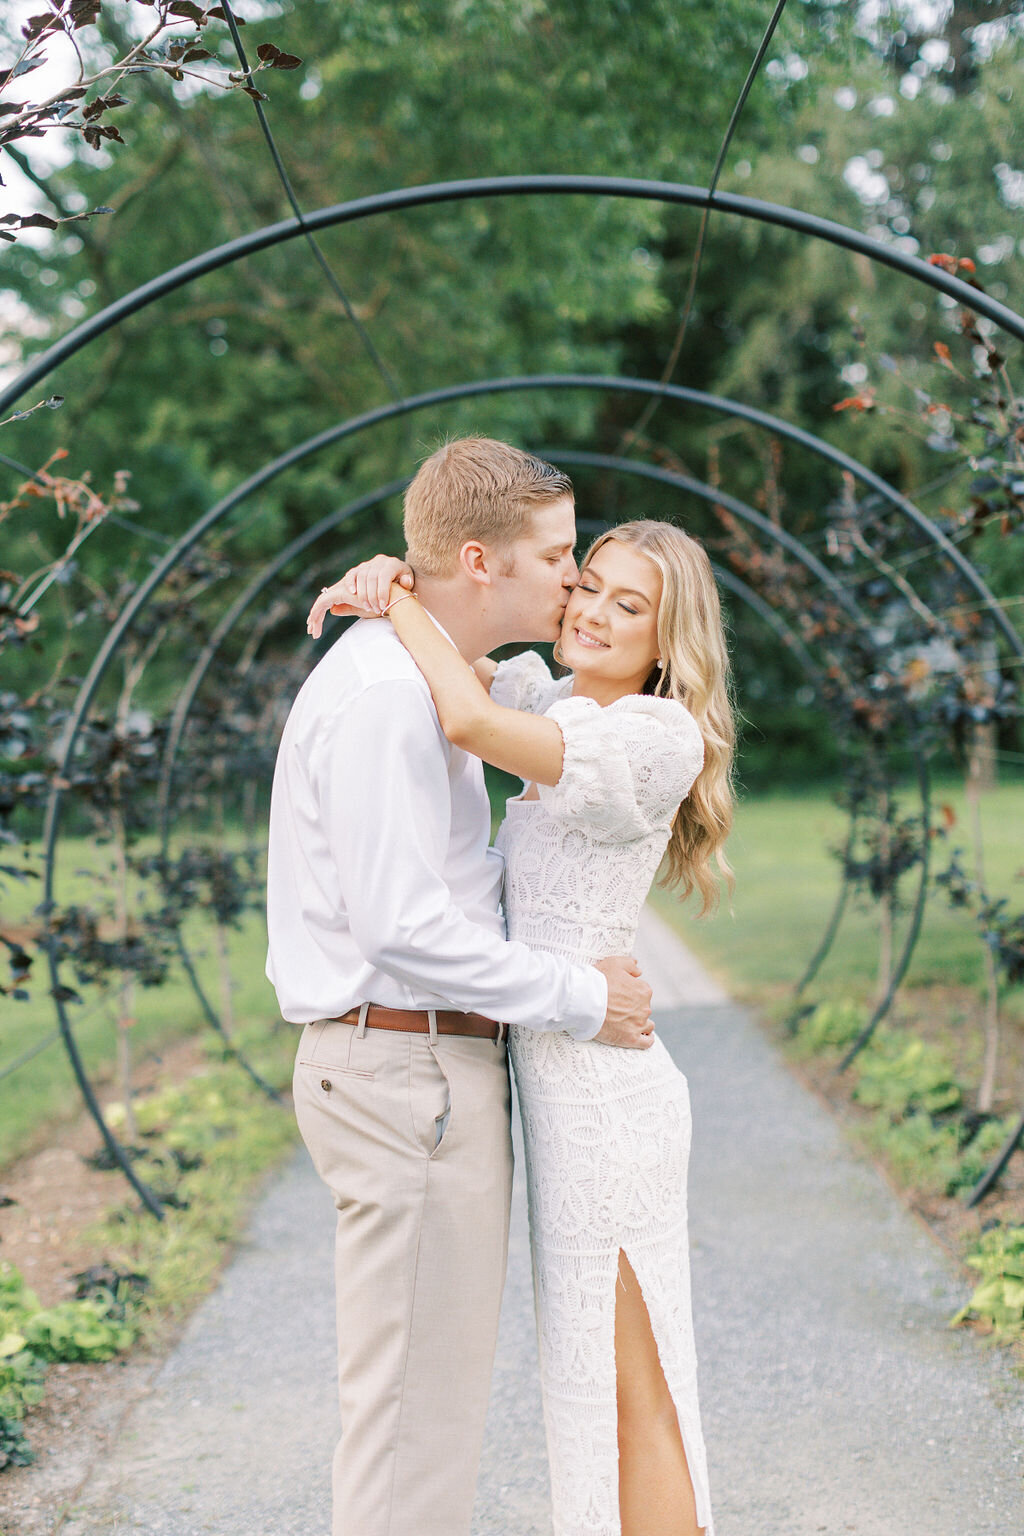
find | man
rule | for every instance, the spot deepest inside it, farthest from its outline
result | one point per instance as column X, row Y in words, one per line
column 386, row 942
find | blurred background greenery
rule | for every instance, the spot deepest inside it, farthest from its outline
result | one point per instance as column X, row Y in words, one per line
column 902, row 119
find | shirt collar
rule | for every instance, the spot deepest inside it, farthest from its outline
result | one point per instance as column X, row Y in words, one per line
column 438, row 625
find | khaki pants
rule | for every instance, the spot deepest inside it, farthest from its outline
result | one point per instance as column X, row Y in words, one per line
column 422, row 1241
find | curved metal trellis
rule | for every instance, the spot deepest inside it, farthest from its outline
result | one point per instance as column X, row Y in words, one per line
column 322, row 440
column 805, row 224
column 283, row 558
column 775, row 425
column 275, row 567
column 725, row 577
column 398, row 200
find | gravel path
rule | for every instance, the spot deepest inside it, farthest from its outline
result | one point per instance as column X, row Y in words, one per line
column 835, row 1398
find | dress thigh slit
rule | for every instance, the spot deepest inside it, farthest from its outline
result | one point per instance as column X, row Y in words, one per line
column 607, row 1138
column 671, row 1323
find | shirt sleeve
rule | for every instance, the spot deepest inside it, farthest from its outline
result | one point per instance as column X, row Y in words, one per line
column 380, row 772
column 626, row 768
column 524, row 682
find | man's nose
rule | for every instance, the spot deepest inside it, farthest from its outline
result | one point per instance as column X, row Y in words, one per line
column 572, row 574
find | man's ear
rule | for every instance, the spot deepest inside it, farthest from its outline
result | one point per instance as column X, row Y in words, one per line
column 476, row 560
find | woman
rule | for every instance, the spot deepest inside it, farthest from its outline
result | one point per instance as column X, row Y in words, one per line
column 625, row 759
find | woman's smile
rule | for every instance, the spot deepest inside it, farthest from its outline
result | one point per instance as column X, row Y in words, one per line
column 610, row 629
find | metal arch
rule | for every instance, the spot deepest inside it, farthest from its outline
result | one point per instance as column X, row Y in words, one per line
column 187, row 695
column 731, row 503
column 356, row 424
column 718, row 403
column 92, row 681
column 803, row 223
column 806, row 224
column 337, row 433
column 139, row 598
column 228, row 620
column 309, row 536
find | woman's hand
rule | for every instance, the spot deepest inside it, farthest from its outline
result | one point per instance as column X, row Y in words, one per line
column 362, row 591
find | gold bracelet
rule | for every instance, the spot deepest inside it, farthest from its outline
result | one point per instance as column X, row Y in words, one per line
column 395, row 600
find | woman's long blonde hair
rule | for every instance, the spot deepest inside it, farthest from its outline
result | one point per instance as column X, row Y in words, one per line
column 695, row 670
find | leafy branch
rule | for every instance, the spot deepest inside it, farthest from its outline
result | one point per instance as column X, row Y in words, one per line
column 84, row 104
column 72, row 498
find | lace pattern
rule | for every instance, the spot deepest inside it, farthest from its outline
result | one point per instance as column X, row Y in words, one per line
column 626, row 767
column 607, row 1131
column 525, row 683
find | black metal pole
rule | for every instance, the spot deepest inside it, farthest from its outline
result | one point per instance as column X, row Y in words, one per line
column 916, row 920
column 613, row 383
column 398, row 200
column 998, row 1165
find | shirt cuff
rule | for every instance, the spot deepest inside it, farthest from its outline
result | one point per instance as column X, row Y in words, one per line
column 589, row 1002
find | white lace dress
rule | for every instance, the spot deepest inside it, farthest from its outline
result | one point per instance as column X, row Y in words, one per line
column 607, row 1130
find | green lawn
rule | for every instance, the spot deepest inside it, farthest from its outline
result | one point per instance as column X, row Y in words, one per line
column 786, row 883
column 785, row 886
column 44, row 1091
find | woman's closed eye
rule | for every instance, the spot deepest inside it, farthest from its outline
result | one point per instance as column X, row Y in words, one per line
column 582, row 586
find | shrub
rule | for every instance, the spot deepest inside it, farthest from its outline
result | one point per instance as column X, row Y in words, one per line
column 32, row 1337
column 21, row 1387
column 998, row 1299
column 900, row 1074
column 834, row 1025
column 77, row 1330
column 204, row 1139
column 976, row 1156
column 921, row 1153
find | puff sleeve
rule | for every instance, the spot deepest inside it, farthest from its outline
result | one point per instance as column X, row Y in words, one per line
column 524, row 682
column 626, row 767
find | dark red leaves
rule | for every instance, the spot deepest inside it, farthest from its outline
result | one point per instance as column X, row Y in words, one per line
column 275, row 58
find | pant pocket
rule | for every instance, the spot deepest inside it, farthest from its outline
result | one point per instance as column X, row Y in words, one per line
column 430, row 1098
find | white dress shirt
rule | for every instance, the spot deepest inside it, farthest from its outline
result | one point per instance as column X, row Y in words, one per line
column 381, row 886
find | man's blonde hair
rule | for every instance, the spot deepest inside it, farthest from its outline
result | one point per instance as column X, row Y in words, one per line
column 475, row 488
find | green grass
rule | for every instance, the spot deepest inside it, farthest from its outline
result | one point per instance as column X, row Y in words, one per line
column 43, row 1092
column 206, row 1142
column 226, row 1132
column 785, row 886
column 786, row 883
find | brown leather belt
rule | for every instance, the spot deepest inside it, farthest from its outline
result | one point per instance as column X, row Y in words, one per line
column 417, row 1021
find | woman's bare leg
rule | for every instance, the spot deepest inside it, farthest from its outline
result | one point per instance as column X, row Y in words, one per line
column 655, row 1490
